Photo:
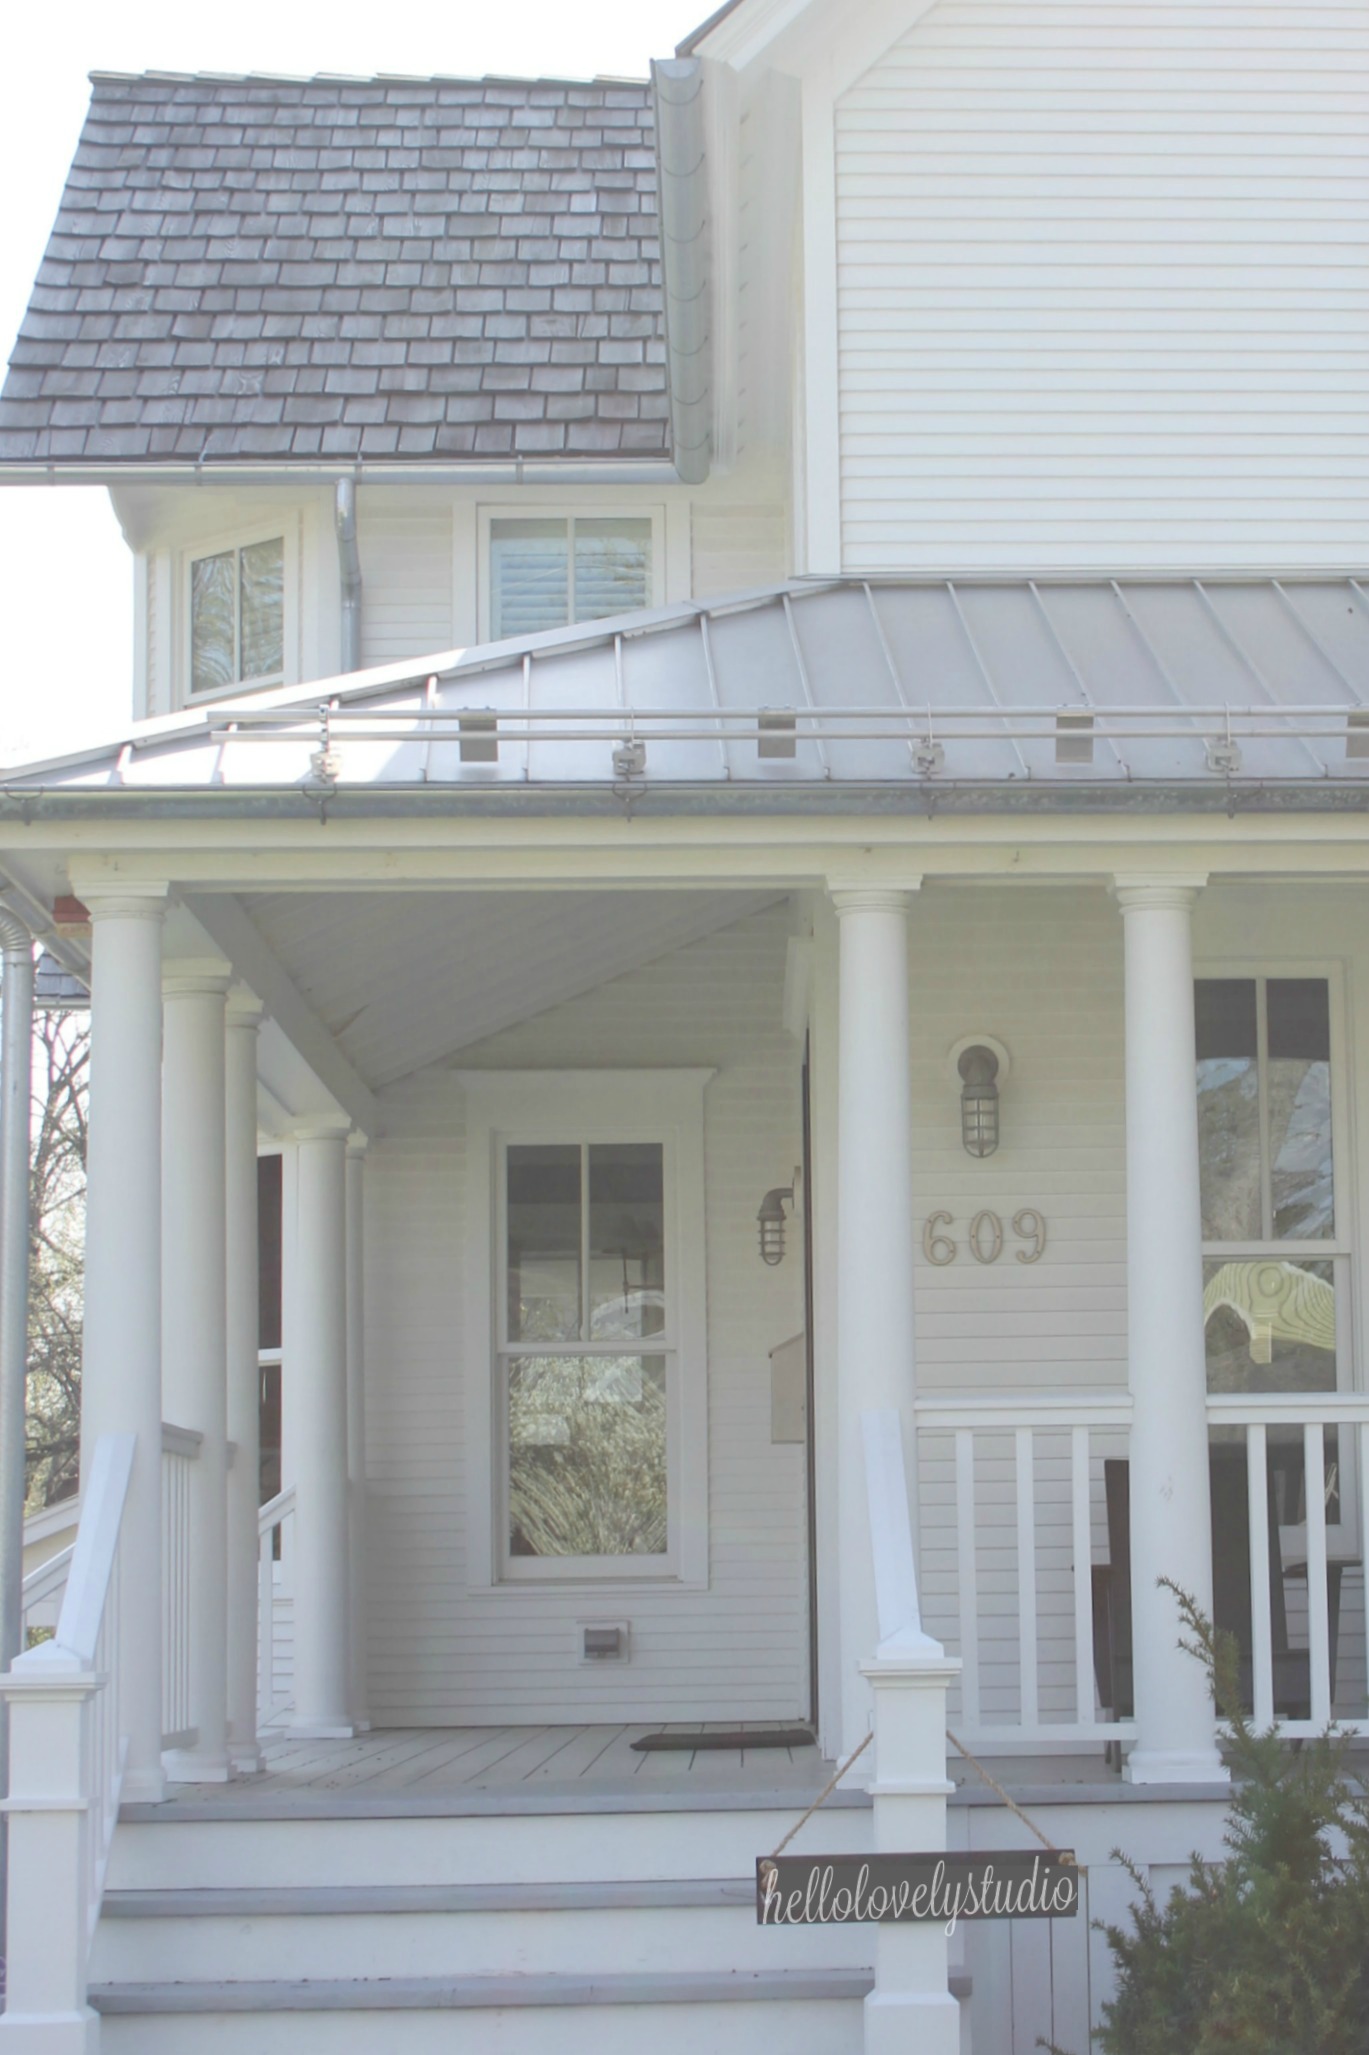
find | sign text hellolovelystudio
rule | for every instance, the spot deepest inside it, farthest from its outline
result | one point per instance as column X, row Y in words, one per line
column 821, row 1890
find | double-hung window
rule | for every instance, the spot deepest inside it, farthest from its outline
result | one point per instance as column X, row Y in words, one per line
column 586, row 1343
column 237, row 616
column 547, row 571
column 1275, row 1251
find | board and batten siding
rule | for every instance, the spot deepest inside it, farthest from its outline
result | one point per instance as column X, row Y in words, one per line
column 441, row 1653
column 1103, row 287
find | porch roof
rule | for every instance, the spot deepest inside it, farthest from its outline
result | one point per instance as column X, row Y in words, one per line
column 992, row 694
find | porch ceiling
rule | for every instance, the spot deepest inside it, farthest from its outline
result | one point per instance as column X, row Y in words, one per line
column 402, row 980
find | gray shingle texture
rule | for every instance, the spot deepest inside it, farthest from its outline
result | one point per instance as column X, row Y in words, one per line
column 261, row 269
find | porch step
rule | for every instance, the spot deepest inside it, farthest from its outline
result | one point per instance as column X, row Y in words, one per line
column 637, row 1926
column 805, row 2012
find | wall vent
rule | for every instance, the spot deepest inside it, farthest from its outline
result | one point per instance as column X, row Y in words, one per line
column 604, row 1641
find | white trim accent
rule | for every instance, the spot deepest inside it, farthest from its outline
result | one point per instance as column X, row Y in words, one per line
column 288, row 529
column 566, row 1105
column 577, row 509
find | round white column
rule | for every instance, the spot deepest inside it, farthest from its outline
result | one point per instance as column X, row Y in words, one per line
column 121, row 1345
column 874, row 1248
column 194, row 1316
column 1171, row 1531
column 356, row 1427
column 317, row 1364
column 243, row 1375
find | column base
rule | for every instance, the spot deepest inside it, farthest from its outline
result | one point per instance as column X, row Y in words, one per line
column 55, row 2033
column 245, row 1759
column 189, row 1766
column 143, row 1787
column 1175, row 1766
column 901, row 2021
column 321, row 1730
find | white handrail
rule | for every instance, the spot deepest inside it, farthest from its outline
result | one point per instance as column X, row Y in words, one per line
column 891, row 1538
column 97, row 1539
column 48, row 1580
column 273, row 1518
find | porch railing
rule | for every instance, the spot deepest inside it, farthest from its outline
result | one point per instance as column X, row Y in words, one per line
column 67, row 1755
column 1015, row 1538
column 1011, row 1497
column 275, row 1606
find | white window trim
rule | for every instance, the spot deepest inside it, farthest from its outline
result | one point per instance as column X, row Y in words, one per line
column 287, row 529
column 587, row 1106
column 545, row 511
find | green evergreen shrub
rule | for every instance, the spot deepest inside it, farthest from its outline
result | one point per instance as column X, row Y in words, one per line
column 1267, row 1952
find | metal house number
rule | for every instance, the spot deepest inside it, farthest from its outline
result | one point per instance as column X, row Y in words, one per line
column 985, row 1237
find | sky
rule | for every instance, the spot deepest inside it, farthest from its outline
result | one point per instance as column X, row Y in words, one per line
column 66, row 577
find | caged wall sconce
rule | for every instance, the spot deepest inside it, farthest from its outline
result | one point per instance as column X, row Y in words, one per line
column 979, row 1064
column 771, row 1221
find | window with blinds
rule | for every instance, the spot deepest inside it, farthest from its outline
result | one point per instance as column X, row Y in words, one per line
column 546, row 572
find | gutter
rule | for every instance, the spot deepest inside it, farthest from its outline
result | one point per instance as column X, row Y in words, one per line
column 677, row 85
column 249, row 471
column 349, row 572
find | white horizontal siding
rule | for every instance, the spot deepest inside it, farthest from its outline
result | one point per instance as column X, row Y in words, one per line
column 1103, row 287
column 406, row 569
column 440, row 1653
column 736, row 548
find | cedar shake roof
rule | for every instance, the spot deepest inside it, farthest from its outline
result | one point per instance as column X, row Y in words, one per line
column 268, row 269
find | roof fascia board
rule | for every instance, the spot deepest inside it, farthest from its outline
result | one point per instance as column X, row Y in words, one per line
column 234, row 933
column 810, row 36
column 573, row 472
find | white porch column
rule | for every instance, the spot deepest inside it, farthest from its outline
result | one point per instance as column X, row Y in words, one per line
column 874, row 1247
column 121, row 1348
column 194, row 1314
column 1171, row 1532
column 244, row 1377
column 356, row 1428
column 318, row 1366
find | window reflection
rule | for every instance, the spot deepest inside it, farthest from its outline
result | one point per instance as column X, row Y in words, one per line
column 1269, row 1325
column 587, row 1456
column 1300, row 1109
column 1228, row 1108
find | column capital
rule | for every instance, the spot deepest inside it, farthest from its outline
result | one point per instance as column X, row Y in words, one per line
column 854, row 897
column 138, row 899
column 320, row 1127
column 1138, row 891
column 245, row 1009
column 357, row 1145
column 186, row 976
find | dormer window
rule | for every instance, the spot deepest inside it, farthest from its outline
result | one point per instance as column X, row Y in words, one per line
column 237, row 616
column 547, row 571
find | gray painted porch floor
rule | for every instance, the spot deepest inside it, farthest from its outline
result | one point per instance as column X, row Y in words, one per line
column 455, row 1770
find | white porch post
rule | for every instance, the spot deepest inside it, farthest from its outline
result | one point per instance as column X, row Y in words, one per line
column 1171, row 1532
column 318, row 1340
column 356, row 1427
column 195, row 1304
column 874, row 1247
column 244, row 1377
column 121, row 1348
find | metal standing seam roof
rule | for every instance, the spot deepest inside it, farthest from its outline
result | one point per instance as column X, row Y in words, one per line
column 275, row 269
column 993, row 694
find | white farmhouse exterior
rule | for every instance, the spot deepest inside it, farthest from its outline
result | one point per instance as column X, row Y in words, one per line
column 786, row 643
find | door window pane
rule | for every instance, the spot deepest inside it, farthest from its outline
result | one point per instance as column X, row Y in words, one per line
column 211, row 623
column 1300, row 1109
column 626, row 1241
column 1270, row 1325
column 1228, row 1108
column 529, row 577
column 544, row 1242
column 262, row 608
column 587, row 1456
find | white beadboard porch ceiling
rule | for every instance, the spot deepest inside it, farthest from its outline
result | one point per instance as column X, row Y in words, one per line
column 404, row 979
column 1083, row 690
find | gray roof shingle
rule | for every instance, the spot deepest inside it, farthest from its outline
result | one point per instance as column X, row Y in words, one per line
column 267, row 269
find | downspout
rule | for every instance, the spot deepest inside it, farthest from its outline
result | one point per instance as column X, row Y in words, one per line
column 681, row 158
column 349, row 569
column 16, row 1088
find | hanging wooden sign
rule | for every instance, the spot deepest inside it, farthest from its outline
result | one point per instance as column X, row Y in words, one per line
column 838, row 1890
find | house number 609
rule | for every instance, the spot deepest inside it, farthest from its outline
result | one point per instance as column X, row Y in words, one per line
column 985, row 1238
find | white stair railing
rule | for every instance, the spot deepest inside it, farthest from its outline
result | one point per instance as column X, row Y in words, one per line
column 275, row 1606
column 67, row 1751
